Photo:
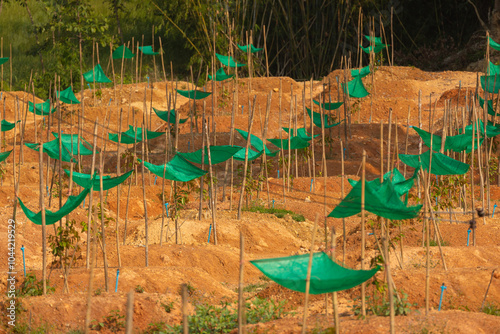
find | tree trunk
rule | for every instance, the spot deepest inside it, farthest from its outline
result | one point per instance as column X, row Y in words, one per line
column 495, row 21
column 36, row 35
column 116, row 9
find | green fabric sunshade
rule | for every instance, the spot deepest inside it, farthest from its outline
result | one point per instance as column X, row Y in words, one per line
column 7, row 126
column 220, row 75
column 218, row 154
column 228, row 61
column 67, row 96
column 3, row 60
column 456, row 143
column 491, row 131
column 252, row 155
column 52, row 149
column 108, row 182
column 362, row 72
column 491, row 110
column 169, row 116
column 257, row 143
column 71, row 142
column 494, row 44
column 123, row 52
column 326, row 275
column 493, row 69
column 133, row 135
column 4, row 155
column 148, row 50
column 253, row 49
column 177, row 169
column 51, row 217
column 401, row 185
column 374, row 40
column 316, row 117
column 355, row 88
column 194, row 94
column 491, row 83
column 301, row 133
column 98, row 74
column 380, row 199
column 41, row 108
column 329, row 105
column 295, row 143
column 376, row 49
column 441, row 164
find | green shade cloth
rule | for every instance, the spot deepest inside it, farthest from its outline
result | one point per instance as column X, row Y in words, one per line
column 316, row 117
column 3, row 60
column 7, row 126
column 194, row 94
column 253, row 49
column 41, row 108
column 491, row 83
column 118, row 53
column 400, row 184
column 295, row 143
column 374, row 40
column 380, row 199
column 257, row 143
column 491, row 131
column 218, row 154
column 376, row 49
column 133, row 135
column 4, row 155
column 67, row 96
column 148, row 50
column 356, row 88
column 177, row 169
column 71, row 142
column 169, row 116
column 51, row 217
column 493, row 69
column 52, row 149
column 362, row 72
column 108, row 182
column 220, row 75
column 301, row 133
column 456, row 143
column 98, row 74
column 329, row 105
column 326, row 275
column 252, row 155
column 228, row 61
column 494, row 44
column 491, row 110
column 441, row 164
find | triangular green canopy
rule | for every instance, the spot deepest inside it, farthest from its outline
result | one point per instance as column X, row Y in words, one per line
column 177, row 169
column 491, row 130
column 252, row 155
column 493, row 69
column 108, row 182
column 218, row 154
column 96, row 73
column 296, row 143
column 361, row 72
column 194, row 94
column 123, row 53
column 456, row 143
column 316, row 117
column 326, row 275
column 228, row 61
column 491, row 110
column 441, row 164
column 67, row 96
column 301, row 133
column 356, row 88
column 374, row 40
column 257, row 143
column 494, row 44
column 71, row 142
column 148, row 50
column 376, row 49
column 329, row 105
column 3, row 60
column 380, row 199
column 133, row 135
column 41, row 108
column 491, row 83
column 169, row 116
column 253, row 49
column 52, row 149
column 51, row 217
column 4, row 155
column 7, row 126
column 400, row 184
column 220, row 75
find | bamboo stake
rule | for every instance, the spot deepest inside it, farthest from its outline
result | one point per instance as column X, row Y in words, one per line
column 231, row 142
column 162, row 63
column 90, row 289
column 334, row 295
column 212, row 192
column 308, row 278
column 265, row 51
column 101, row 196
column 130, row 313
column 389, row 142
column 42, row 210
column 363, row 233
column 113, row 68
column 342, row 194
column 89, row 221
column 288, row 174
column 407, row 134
column 118, row 190
column 144, row 201
column 185, row 324
column 241, row 303
column 312, row 135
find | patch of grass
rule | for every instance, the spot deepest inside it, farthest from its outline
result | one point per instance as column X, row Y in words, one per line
column 433, row 243
column 156, row 327
column 492, row 309
column 114, row 322
column 24, row 328
column 280, row 213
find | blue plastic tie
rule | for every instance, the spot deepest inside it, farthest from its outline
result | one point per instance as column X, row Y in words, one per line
column 273, row 203
column 468, row 237
column 209, row 231
column 155, row 179
column 311, row 188
column 24, row 262
column 189, row 145
column 242, row 107
column 117, row 275
column 494, row 207
column 278, row 173
column 110, row 102
column 148, row 81
column 443, row 287
column 166, row 207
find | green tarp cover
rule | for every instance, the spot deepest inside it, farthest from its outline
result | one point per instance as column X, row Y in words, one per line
column 253, row 49
column 52, row 149
column 441, row 164
column 491, row 131
column 177, row 169
column 67, row 96
column 376, row 49
column 380, row 199
column 228, row 61
column 252, row 155
column 257, row 143
column 491, row 83
column 329, row 105
column 108, row 182
column 4, row 155
column 296, row 143
column 494, row 44
column 118, row 53
column 401, row 185
column 456, row 143
column 362, row 72
column 194, row 94
column 3, row 60
column 316, row 117
column 51, row 217
column 493, row 69
column 220, row 75
column 148, row 50
column 326, row 275
column 7, row 126
column 356, row 88
column 71, row 142
column 218, row 154
column 96, row 73
column 374, row 40
column 169, row 116
column 301, row 133
column 491, row 110
column 41, row 108
column 133, row 135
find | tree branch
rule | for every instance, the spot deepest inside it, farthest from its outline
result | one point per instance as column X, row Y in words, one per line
column 484, row 25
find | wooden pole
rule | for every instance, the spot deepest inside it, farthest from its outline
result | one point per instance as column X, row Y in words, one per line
column 89, row 221
column 212, row 192
column 336, row 317
column 363, row 233
column 342, row 194
column 91, row 284
column 42, row 210
column 265, row 51
column 308, row 278
column 162, row 63
column 144, row 200
column 118, row 190
column 130, row 313
column 101, row 200
column 185, row 323
column 241, row 302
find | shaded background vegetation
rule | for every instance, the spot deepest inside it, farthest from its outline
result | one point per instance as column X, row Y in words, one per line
column 304, row 38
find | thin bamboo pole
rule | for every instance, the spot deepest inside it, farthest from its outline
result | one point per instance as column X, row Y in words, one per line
column 144, row 201
column 89, row 221
column 363, row 233
column 118, row 189
column 241, row 303
column 335, row 302
column 308, row 277
column 42, row 210
column 130, row 313
column 101, row 202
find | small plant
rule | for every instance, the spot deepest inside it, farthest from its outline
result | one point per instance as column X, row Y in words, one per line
column 433, row 243
column 491, row 309
column 98, row 292
column 113, row 322
column 168, row 307
column 139, row 289
column 65, row 239
column 31, row 287
column 156, row 328
column 279, row 213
